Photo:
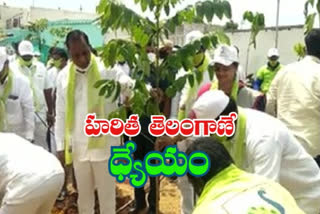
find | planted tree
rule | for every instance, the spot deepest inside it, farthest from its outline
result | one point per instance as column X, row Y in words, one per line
column 144, row 32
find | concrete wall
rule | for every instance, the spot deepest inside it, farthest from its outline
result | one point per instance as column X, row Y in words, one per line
column 288, row 37
column 7, row 13
column 53, row 14
column 34, row 13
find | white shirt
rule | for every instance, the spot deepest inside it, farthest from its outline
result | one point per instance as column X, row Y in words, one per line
column 53, row 76
column 19, row 107
column 272, row 151
column 79, row 139
column 23, row 166
column 294, row 98
column 40, row 82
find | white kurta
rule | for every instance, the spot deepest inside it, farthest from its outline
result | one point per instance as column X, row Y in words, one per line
column 19, row 107
column 294, row 98
column 40, row 81
column 91, row 166
column 23, row 168
column 272, row 151
column 79, row 139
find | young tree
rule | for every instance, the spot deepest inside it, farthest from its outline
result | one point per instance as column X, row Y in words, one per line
column 143, row 31
column 37, row 28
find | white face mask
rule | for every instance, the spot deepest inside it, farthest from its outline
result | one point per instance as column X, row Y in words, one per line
column 152, row 57
column 83, row 70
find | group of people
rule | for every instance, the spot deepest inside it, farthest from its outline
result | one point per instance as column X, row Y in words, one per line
column 269, row 165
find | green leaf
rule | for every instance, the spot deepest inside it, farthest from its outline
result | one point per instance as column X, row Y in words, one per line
column 227, row 9
column 211, row 72
column 218, row 8
column 205, row 42
column 248, row 15
column 180, row 83
column 187, row 63
column 309, row 23
column 144, row 5
column 200, row 10
column 260, row 20
column 209, row 10
column 117, row 94
column 199, row 76
column 174, row 61
column 167, row 9
column 214, row 40
column 191, row 80
column 100, row 83
column 103, row 90
column 110, row 89
column 112, row 55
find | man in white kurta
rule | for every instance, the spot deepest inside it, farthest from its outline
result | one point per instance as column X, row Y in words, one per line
column 41, row 87
column 30, row 177
column 270, row 150
column 294, row 96
column 90, row 165
column 18, row 104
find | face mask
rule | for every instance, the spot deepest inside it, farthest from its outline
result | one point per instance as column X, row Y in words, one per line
column 273, row 62
column 198, row 58
column 22, row 62
column 83, row 70
column 57, row 63
column 152, row 57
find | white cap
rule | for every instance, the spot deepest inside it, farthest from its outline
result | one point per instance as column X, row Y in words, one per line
column 210, row 104
column 192, row 36
column 25, row 48
column 3, row 57
column 225, row 55
column 273, row 52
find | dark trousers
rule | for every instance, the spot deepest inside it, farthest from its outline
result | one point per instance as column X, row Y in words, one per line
column 143, row 147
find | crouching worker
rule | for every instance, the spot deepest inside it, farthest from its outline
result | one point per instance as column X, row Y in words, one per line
column 30, row 177
column 227, row 189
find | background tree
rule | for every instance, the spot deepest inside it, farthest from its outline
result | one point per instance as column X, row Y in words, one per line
column 36, row 29
column 59, row 34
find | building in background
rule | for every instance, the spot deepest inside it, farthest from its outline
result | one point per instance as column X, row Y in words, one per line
column 13, row 17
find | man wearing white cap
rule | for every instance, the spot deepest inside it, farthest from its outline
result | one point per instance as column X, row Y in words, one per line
column 263, row 145
column 226, row 65
column 41, row 88
column 30, row 177
column 267, row 72
column 294, row 97
column 16, row 105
